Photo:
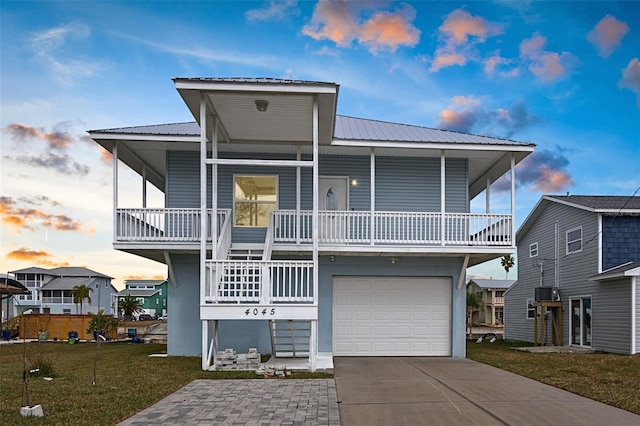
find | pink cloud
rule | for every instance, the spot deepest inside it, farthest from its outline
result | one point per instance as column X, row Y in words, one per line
column 607, row 34
column 338, row 21
column 444, row 59
column 459, row 32
column 460, row 24
column 631, row 78
column 546, row 66
column 496, row 64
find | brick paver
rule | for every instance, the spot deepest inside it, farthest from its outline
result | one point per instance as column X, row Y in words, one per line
column 246, row 402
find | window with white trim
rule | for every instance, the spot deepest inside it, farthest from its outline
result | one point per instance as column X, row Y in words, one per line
column 254, row 198
column 530, row 309
column 533, row 249
column 574, row 240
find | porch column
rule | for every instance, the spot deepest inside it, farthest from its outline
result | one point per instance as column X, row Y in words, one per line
column 314, row 323
column 487, row 195
column 513, row 200
column 205, row 345
column 144, row 186
column 313, row 345
column 372, row 177
column 203, row 209
column 214, row 190
column 298, row 158
column 115, row 189
column 442, row 197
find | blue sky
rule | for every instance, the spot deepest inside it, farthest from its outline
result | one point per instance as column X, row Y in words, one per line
column 563, row 75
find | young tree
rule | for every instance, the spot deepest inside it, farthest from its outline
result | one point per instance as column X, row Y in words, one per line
column 507, row 262
column 474, row 303
column 81, row 293
column 128, row 305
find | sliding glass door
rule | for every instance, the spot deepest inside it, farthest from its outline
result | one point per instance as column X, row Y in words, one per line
column 580, row 321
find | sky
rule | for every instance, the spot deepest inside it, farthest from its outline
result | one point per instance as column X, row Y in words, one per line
column 562, row 75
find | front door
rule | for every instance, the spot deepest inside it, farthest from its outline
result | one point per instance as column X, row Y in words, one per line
column 580, row 321
column 333, row 196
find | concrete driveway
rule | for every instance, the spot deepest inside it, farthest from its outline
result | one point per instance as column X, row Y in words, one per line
column 446, row 391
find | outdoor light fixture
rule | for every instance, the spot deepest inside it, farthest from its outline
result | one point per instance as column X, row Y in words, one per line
column 262, row 105
column 354, row 182
column 393, row 260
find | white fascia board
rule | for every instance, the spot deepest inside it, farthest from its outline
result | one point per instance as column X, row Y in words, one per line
column 254, row 87
column 459, row 146
column 143, row 137
column 591, row 209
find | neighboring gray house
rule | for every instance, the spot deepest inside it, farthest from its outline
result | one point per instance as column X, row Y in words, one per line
column 51, row 290
column 492, row 293
column 280, row 214
column 587, row 248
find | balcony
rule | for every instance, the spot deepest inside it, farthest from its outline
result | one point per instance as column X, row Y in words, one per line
column 239, row 289
column 336, row 228
column 46, row 300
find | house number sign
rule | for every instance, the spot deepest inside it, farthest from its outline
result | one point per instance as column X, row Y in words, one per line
column 257, row 312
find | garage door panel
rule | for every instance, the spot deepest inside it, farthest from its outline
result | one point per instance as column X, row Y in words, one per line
column 391, row 316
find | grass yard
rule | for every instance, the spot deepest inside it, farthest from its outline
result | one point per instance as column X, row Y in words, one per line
column 127, row 381
column 612, row 379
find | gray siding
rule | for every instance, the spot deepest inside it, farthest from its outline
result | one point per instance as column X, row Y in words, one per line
column 611, row 324
column 574, row 269
column 402, row 184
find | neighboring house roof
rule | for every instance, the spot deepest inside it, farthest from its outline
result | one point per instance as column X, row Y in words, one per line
column 482, row 283
column 31, row 270
column 603, row 204
column 67, row 283
column 346, row 128
column 630, row 269
column 144, row 282
column 65, row 271
column 137, row 292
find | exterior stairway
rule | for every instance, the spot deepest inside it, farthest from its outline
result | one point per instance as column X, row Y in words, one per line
column 290, row 338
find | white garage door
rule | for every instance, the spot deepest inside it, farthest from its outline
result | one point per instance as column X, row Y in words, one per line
column 375, row 316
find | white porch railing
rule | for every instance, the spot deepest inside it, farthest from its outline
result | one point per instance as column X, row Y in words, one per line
column 394, row 228
column 163, row 225
column 264, row 282
column 56, row 299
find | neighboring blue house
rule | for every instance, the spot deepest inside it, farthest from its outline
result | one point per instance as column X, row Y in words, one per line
column 586, row 251
column 152, row 295
column 51, row 290
column 383, row 270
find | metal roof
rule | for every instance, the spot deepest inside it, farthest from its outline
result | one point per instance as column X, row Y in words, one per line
column 255, row 80
column 67, row 283
column 65, row 271
column 138, row 292
column 483, row 283
column 347, row 128
column 352, row 128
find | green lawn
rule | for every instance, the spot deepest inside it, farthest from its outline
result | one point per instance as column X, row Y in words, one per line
column 127, row 381
column 612, row 379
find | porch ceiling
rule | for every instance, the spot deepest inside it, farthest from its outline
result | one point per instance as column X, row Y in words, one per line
column 288, row 117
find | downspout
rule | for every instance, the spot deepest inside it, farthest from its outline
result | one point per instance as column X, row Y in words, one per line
column 144, row 186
